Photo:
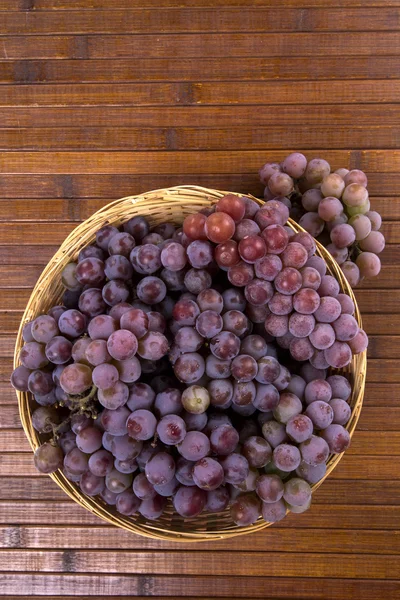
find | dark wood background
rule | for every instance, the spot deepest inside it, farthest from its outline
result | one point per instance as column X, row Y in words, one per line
column 101, row 99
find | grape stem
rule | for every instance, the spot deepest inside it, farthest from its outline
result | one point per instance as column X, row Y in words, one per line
column 79, row 405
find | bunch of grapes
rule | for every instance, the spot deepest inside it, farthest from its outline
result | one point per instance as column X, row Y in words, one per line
column 333, row 207
column 192, row 364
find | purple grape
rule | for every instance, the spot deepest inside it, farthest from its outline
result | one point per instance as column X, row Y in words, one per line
column 101, row 327
column 105, row 376
column 274, row 511
column 89, row 440
column 189, row 501
column 320, row 413
column 257, row 451
column 195, row 446
column 311, row 474
column 340, row 386
column 141, row 424
column 299, row 428
column 101, row 463
column 160, row 469
column 236, row 468
column 286, row 457
column 208, row 474
column 224, row 439
column 146, row 259
column 314, row 451
column 114, row 420
column 113, row 397
column 171, row 430
column 336, row 437
column 117, row 482
column 245, row 510
column 168, row 402
column 153, row 346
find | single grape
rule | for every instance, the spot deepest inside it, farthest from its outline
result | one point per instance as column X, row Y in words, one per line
column 375, row 218
column 276, row 238
column 224, row 439
column 337, row 438
column 317, row 169
column 294, row 165
column 72, row 323
column 101, row 327
column 355, row 195
column 268, row 369
column 328, row 311
column 274, row 511
column 338, row 355
column 113, row 397
column 195, row 446
column 160, row 469
column 236, row 468
column 283, row 379
column 45, row 418
column 244, row 229
column 333, row 185
column 90, row 251
column 219, row 227
column 257, row 451
column 339, row 254
column 208, row 474
column 341, row 411
column 299, row 428
column 186, row 312
column 209, row 323
column 105, row 376
column 245, row 510
column 141, row 424
column 322, row 336
column 340, row 386
column 254, row 345
column 301, row 325
column 109, row 497
column 241, row 274
column 146, row 259
column 312, row 223
column 320, row 413
column 268, row 267
column 232, row 205
column 277, row 325
column 288, row 281
column 280, row 184
column 288, row 406
column 314, row 451
column 189, row 367
column 311, row 474
column 217, row 500
column 274, row 433
column 48, row 458
column 76, row 378
column 101, row 463
column 75, row 461
column 297, row 492
column 343, row 235
column 194, row 226
column 153, row 346
column 318, row 263
column 117, row 482
column 356, row 176
column 306, row 301
column 89, row 440
column 171, row 430
column 189, row 501
column 233, row 299
column 244, row 394
column 330, row 208
column 142, row 488
column 266, row 398
column 151, row 290
column 168, row 402
column 167, row 489
column 216, row 368
column 359, row 343
column 127, row 503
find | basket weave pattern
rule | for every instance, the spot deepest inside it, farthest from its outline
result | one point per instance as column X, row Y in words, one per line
column 173, row 205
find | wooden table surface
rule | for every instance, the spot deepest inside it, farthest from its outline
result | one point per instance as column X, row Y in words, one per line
column 105, row 99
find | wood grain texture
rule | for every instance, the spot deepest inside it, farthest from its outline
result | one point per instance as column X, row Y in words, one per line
column 102, row 100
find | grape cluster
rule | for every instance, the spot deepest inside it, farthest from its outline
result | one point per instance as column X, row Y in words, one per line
column 333, row 207
column 192, row 363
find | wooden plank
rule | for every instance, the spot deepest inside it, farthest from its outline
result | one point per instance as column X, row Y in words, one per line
column 265, row 138
column 329, row 515
column 382, row 161
column 224, row 115
column 196, row 563
column 196, row 20
column 205, row 69
column 116, row 186
column 191, row 93
column 276, row 539
column 78, row 209
column 29, row 5
column 274, row 587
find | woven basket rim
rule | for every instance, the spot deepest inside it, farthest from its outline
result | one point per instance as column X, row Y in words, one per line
column 180, row 198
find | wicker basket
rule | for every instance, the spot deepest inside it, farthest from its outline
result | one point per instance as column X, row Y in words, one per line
column 158, row 206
